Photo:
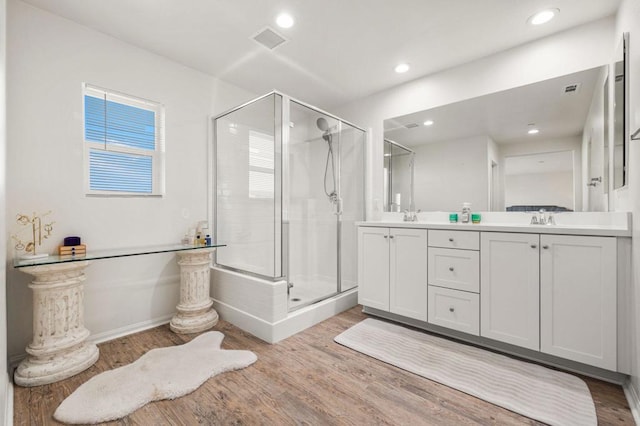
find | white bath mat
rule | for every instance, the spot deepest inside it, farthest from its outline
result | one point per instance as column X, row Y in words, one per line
column 163, row 373
column 536, row 392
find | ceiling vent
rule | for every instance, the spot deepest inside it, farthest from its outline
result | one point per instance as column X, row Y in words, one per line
column 411, row 125
column 269, row 38
column 571, row 88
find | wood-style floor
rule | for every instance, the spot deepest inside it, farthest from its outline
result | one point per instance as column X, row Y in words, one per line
column 305, row 379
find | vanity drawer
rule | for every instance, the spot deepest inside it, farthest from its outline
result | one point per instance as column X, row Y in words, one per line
column 468, row 240
column 455, row 269
column 455, row 309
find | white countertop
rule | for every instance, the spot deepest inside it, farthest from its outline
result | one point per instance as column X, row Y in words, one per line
column 614, row 224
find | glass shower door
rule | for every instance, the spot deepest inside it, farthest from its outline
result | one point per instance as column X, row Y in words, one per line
column 248, row 187
column 311, row 223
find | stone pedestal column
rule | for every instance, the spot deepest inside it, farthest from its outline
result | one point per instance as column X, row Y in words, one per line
column 59, row 348
column 195, row 312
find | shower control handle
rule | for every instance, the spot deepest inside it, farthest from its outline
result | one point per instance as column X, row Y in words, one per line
column 338, row 202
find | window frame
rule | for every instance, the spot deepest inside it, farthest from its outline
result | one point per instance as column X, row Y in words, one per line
column 157, row 155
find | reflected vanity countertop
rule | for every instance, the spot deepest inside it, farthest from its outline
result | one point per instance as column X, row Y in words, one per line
column 613, row 224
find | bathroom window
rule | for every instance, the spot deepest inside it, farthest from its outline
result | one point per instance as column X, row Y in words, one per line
column 124, row 144
column 261, row 165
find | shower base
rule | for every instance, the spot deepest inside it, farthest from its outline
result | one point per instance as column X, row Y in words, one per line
column 261, row 307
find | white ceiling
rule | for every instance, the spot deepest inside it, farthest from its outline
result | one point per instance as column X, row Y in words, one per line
column 504, row 116
column 338, row 51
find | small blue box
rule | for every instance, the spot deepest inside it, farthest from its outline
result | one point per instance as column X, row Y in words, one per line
column 72, row 241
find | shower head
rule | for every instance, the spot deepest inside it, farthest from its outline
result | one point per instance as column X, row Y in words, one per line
column 322, row 124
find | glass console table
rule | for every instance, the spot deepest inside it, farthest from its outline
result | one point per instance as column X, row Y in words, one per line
column 59, row 348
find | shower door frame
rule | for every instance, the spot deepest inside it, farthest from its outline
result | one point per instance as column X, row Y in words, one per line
column 286, row 119
column 284, row 133
column 212, row 206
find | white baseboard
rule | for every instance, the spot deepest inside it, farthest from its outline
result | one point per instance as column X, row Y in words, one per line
column 129, row 329
column 634, row 400
column 8, row 408
column 105, row 336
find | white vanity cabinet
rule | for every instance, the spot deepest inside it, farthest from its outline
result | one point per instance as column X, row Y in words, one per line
column 392, row 270
column 454, row 271
column 510, row 288
column 578, row 303
column 552, row 293
column 540, row 290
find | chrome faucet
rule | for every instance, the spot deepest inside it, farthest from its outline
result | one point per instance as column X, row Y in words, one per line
column 540, row 218
column 411, row 216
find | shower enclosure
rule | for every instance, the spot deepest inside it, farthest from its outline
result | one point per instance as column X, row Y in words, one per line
column 289, row 182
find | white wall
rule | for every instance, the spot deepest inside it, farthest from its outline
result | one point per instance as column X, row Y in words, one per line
column 628, row 20
column 450, row 173
column 48, row 59
column 593, row 152
column 6, row 403
column 578, row 49
column 573, row 144
column 554, row 189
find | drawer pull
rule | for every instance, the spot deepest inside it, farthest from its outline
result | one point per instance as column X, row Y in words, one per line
column 450, row 240
column 451, row 268
column 451, row 309
column 545, row 247
column 534, row 246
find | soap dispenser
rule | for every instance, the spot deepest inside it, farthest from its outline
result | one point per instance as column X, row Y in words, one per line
column 466, row 212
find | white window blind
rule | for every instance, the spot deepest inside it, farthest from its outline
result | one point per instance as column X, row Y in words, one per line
column 261, row 165
column 124, row 144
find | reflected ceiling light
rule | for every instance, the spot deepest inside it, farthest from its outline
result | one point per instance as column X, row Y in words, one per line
column 402, row 68
column 284, row 20
column 533, row 131
column 428, row 123
column 543, row 16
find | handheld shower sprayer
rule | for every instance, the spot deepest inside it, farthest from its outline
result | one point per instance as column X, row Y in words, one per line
column 323, row 125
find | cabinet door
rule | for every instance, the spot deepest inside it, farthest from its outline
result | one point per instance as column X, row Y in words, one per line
column 408, row 272
column 373, row 267
column 578, row 298
column 509, row 288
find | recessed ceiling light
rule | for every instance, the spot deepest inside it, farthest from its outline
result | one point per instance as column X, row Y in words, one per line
column 543, row 16
column 428, row 123
column 533, row 131
column 284, row 20
column 401, row 68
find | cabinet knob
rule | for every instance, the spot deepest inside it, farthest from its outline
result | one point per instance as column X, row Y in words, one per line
column 451, row 240
column 545, row 247
column 451, row 268
column 390, row 236
column 386, row 236
column 451, row 309
column 534, row 246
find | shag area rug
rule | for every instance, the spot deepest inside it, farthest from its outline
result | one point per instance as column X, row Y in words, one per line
column 163, row 373
column 546, row 395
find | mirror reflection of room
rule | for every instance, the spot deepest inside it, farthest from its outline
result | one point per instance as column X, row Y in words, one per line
column 539, row 146
column 398, row 170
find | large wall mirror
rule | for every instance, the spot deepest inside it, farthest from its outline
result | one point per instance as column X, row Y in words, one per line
column 537, row 146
